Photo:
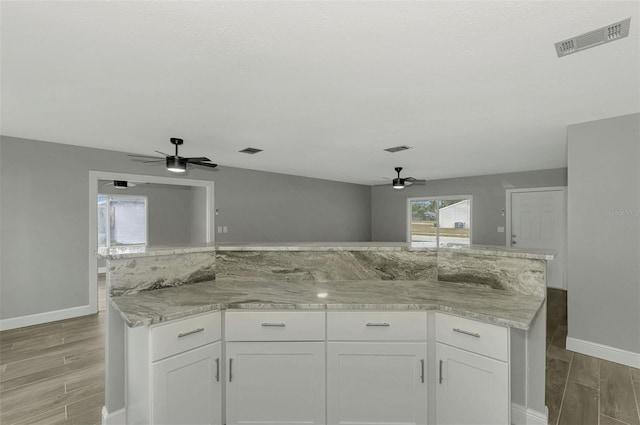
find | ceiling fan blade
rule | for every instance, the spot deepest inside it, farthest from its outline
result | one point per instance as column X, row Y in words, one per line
column 132, row 155
column 165, row 154
column 197, row 159
column 155, row 160
column 204, row 164
column 414, row 180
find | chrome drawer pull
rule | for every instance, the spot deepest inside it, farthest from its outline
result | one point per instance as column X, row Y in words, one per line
column 218, row 369
column 440, row 373
column 475, row 335
column 378, row 324
column 422, row 370
column 230, row 369
column 276, row 325
column 195, row 331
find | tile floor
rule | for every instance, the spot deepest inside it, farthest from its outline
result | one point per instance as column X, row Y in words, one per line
column 54, row 374
column 584, row 390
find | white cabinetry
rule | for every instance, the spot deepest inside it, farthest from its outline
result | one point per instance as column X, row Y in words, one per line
column 186, row 387
column 173, row 372
column 472, row 382
column 276, row 368
column 376, row 368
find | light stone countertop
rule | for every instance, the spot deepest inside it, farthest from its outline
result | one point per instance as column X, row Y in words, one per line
column 488, row 305
column 138, row 251
column 499, row 251
column 151, row 251
column 312, row 246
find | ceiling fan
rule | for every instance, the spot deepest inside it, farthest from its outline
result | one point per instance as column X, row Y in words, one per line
column 122, row 184
column 401, row 183
column 176, row 163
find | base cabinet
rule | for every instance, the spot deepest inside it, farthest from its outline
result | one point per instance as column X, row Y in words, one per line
column 471, row 389
column 376, row 383
column 275, row 383
column 187, row 387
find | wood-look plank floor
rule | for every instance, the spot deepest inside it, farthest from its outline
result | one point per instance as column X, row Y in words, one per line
column 54, row 374
column 584, row 390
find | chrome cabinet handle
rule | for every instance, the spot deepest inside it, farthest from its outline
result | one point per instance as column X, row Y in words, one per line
column 378, row 324
column 475, row 335
column 218, row 369
column 276, row 325
column 440, row 373
column 422, row 370
column 230, row 369
column 195, row 331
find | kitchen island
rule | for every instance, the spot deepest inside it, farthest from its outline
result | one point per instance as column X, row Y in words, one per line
column 496, row 292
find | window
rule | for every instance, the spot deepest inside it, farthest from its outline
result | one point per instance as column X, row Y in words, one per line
column 122, row 220
column 440, row 221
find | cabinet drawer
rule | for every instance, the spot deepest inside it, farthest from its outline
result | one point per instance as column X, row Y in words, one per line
column 377, row 326
column 471, row 335
column 184, row 334
column 274, row 326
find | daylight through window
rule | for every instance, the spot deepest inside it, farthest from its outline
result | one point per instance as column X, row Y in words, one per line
column 440, row 221
column 122, row 220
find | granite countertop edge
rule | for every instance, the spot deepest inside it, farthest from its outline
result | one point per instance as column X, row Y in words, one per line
column 148, row 311
column 118, row 253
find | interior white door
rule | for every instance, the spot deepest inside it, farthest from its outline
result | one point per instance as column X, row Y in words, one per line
column 275, row 383
column 538, row 220
column 187, row 388
column 470, row 389
column 381, row 383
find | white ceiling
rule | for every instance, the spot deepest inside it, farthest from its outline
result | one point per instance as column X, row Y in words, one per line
column 323, row 87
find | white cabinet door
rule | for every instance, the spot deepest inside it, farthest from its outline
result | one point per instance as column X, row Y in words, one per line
column 187, row 387
column 275, row 383
column 470, row 388
column 376, row 382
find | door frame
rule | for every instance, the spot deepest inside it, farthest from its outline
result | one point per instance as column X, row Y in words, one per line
column 95, row 176
column 563, row 189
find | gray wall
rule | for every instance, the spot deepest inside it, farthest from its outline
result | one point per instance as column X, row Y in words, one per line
column 198, row 215
column 45, row 216
column 389, row 206
column 169, row 210
column 604, row 232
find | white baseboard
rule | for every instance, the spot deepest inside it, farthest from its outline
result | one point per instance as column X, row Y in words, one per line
column 119, row 417
column 49, row 316
column 523, row 416
column 628, row 358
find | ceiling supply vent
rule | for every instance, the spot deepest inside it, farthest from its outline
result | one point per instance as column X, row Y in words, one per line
column 594, row 38
column 250, row 151
column 398, row 148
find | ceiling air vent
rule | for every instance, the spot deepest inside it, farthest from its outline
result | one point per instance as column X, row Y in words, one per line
column 594, row 38
column 250, row 151
column 398, row 148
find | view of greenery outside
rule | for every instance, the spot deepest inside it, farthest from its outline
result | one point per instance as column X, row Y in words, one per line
column 425, row 230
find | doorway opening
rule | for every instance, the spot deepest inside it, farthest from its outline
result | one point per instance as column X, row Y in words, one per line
column 537, row 219
column 176, row 211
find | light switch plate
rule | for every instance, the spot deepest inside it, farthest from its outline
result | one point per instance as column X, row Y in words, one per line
column 219, row 229
column 500, row 229
column 225, row 229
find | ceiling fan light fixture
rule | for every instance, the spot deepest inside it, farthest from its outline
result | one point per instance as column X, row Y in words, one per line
column 176, row 165
column 398, row 183
column 122, row 184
